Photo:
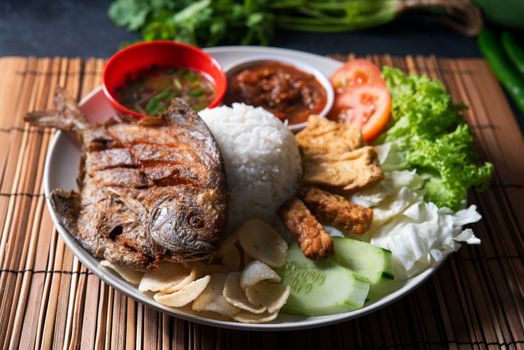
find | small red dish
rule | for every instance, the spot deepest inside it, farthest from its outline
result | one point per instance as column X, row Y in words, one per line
column 143, row 56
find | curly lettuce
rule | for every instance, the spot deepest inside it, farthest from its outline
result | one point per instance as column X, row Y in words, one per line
column 428, row 130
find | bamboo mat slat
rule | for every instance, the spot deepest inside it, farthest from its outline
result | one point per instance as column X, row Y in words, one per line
column 49, row 300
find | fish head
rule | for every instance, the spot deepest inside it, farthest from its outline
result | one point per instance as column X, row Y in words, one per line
column 188, row 223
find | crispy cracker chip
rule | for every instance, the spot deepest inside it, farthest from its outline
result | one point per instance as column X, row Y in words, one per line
column 247, row 317
column 255, row 272
column 212, row 298
column 271, row 295
column 169, row 277
column 125, row 272
column 231, row 259
column 236, row 295
column 184, row 296
column 263, row 242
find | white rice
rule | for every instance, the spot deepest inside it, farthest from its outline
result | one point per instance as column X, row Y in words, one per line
column 261, row 158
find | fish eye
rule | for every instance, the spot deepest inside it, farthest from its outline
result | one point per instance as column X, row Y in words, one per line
column 196, row 221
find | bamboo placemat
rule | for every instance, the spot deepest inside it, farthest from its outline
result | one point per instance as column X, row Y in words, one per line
column 48, row 299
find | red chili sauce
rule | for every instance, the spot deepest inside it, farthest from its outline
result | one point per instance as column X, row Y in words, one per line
column 282, row 89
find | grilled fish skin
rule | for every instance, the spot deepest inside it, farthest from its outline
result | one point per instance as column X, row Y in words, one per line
column 149, row 190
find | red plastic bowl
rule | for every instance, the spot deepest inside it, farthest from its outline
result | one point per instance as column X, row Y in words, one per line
column 138, row 57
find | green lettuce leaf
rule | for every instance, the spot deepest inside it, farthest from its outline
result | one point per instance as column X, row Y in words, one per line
column 428, row 129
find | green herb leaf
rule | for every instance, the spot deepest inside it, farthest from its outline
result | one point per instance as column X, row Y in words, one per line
column 434, row 139
column 155, row 104
column 203, row 22
column 196, row 93
column 131, row 14
column 191, row 11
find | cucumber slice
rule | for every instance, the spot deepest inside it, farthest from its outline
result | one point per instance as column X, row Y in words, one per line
column 367, row 260
column 321, row 287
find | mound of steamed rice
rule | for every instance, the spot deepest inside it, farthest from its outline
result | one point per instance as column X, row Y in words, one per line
column 261, row 157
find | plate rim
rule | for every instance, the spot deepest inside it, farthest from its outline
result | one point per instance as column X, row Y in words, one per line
column 116, row 282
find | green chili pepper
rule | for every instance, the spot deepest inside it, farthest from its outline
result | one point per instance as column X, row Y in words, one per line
column 506, row 13
column 501, row 66
column 155, row 105
column 196, row 93
column 514, row 51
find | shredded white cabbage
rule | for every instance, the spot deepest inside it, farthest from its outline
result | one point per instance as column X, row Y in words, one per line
column 392, row 207
column 391, row 196
column 419, row 234
column 424, row 234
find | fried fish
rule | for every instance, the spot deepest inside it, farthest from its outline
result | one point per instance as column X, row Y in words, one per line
column 149, row 190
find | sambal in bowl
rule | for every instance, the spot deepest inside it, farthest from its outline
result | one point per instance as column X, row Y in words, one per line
column 290, row 89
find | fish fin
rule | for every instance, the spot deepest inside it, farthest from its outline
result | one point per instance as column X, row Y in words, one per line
column 180, row 112
column 49, row 119
column 119, row 119
column 66, row 117
column 67, row 208
column 152, row 121
column 121, row 255
column 134, row 205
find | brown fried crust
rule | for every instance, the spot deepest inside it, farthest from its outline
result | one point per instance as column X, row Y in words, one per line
column 337, row 211
column 143, row 184
column 324, row 136
column 314, row 242
column 349, row 171
column 334, row 154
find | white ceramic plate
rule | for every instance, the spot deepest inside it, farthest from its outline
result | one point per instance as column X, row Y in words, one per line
column 61, row 170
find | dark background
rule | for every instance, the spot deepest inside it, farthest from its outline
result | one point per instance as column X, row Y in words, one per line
column 83, row 29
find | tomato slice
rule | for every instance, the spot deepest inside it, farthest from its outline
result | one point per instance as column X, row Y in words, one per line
column 368, row 107
column 355, row 73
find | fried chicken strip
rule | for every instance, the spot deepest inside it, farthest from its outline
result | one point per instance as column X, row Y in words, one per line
column 323, row 136
column 350, row 171
column 337, row 211
column 334, row 154
column 314, row 242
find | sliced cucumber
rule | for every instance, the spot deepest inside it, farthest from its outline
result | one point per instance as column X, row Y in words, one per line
column 321, row 287
column 367, row 260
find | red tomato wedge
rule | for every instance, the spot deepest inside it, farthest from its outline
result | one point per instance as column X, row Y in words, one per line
column 355, row 73
column 368, row 107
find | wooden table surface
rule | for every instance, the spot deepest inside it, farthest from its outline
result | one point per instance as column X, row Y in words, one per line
column 48, row 299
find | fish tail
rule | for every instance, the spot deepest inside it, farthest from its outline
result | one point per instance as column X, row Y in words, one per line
column 67, row 116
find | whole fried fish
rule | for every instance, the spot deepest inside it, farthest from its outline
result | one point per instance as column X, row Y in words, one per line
column 151, row 189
